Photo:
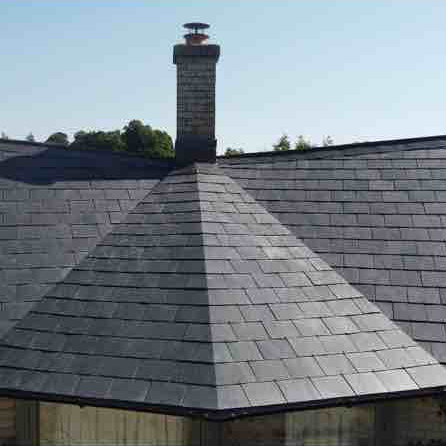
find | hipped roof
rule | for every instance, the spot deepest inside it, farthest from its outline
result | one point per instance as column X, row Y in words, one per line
column 376, row 212
column 201, row 302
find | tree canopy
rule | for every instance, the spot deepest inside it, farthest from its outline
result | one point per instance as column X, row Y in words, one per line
column 140, row 138
column 282, row 144
column 327, row 141
column 234, row 152
column 135, row 137
column 98, row 140
column 30, row 137
column 58, row 138
column 302, row 143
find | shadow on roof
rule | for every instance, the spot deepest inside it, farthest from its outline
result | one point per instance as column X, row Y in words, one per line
column 53, row 165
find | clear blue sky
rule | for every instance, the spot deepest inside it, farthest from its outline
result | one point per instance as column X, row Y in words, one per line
column 355, row 70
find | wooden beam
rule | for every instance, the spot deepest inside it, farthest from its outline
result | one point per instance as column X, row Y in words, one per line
column 27, row 423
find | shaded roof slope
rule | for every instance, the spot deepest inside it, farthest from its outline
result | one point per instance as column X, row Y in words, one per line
column 201, row 302
column 55, row 204
column 376, row 213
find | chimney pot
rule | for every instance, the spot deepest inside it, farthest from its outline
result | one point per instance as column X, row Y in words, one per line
column 197, row 37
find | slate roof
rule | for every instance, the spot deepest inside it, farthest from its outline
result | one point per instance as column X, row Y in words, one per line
column 55, row 205
column 201, row 302
column 376, row 213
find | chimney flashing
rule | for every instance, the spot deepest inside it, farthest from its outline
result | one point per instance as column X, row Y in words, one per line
column 195, row 149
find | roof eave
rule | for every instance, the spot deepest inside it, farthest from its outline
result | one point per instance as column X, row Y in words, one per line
column 223, row 414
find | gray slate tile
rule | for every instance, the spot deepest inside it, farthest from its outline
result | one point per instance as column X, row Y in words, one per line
column 396, row 380
column 275, row 349
column 366, row 361
column 428, row 375
column 335, row 364
column 298, row 390
column 244, row 351
column 261, row 394
column 332, row 387
column 365, row 383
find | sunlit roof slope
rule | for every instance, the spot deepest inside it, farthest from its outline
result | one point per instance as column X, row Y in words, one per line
column 375, row 212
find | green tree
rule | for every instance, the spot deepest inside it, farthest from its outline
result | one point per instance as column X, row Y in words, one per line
column 283, row 144
column 58, row 138
column 140, row 138
column 162, row 145
column 135, row 138
column 98, row 140
column 233, row 152
column 30, row 137
column 327, row 141
column 302, row 143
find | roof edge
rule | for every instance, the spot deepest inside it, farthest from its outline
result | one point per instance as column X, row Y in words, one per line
column 222, row 415
column 31, row 143
column 170, row 162
column 383, row 142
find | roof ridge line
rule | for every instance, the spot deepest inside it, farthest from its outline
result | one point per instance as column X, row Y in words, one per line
column 333, row 147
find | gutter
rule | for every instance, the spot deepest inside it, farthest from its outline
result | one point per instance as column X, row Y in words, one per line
column 222, row 415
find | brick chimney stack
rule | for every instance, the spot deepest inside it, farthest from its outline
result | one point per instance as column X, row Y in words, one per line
column 196, row 65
